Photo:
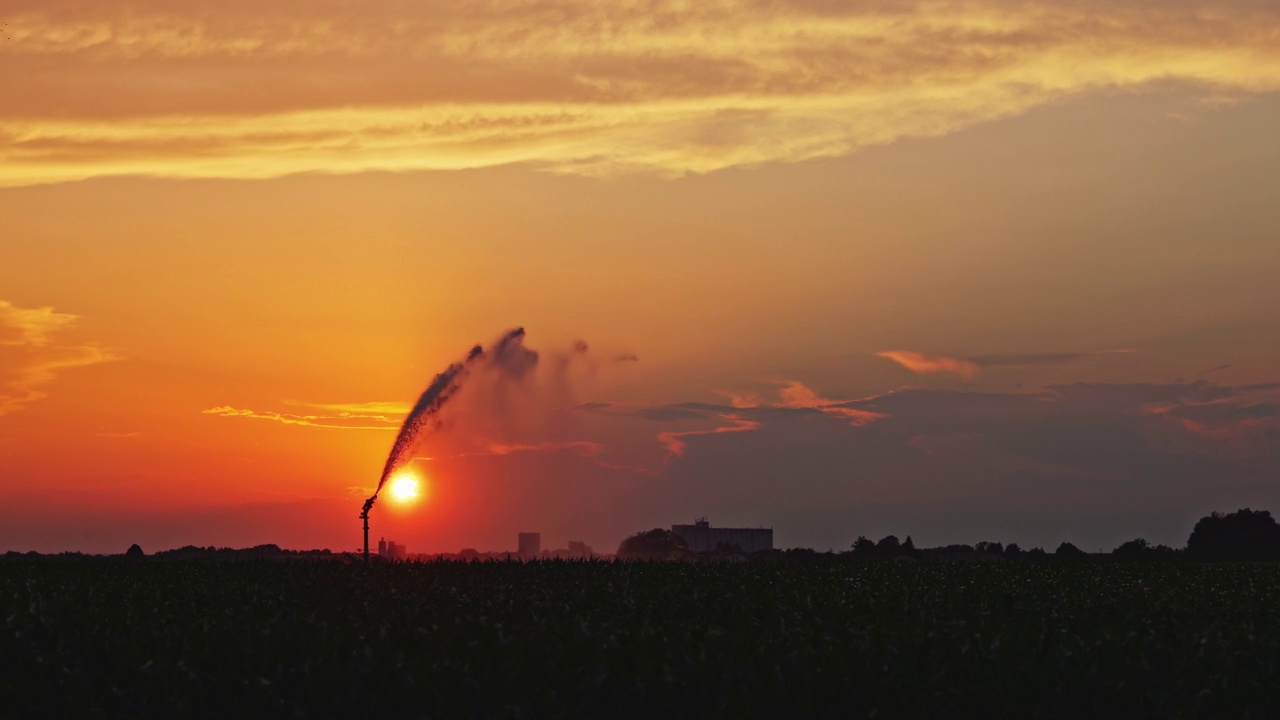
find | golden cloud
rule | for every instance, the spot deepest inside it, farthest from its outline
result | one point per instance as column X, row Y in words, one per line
column 176, row 88
column 339, row 421
column 32, row 359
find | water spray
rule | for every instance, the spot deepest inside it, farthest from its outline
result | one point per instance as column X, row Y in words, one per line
column 507, row 354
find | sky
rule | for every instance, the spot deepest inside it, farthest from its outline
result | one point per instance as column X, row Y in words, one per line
column 964, row 271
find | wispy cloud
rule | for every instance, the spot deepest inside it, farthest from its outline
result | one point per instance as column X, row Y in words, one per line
column 32, row 359
column 583, row 86
column 795, row 395
column 968, row 368
column 675, row 443
column 340, row 421
column 360, row 409
column 922, row 364
column 32, row 327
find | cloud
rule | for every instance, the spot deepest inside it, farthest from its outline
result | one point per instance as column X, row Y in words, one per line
column 32, row 327
column 364, row 409
column 339, row 421
column 1078, row 462
column 922, row 364
column 675, row 443
column 795, row 395
column 385, row 415
column 968, row 368
column 32, row 359
column 190, row 89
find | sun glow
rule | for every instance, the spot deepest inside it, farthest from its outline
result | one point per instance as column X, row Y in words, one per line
column 404, row 488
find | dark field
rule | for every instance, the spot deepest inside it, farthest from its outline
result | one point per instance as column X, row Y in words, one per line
column 220, row 639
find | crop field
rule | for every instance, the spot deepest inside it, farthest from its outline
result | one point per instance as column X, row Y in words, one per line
column 110, row 638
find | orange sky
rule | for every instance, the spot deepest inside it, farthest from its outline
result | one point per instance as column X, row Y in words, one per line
column 983, row 270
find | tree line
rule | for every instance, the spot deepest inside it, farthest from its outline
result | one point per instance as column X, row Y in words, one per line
column 1244, row 535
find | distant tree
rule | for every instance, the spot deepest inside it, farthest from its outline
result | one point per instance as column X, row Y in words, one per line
column 888, row 544
column 864, row 545
column 992, row 548
column 1067, row 551
column 1037, row 553
column 134, row 551
column 1242, row 535
column 909, row 546
column 1012, row 550
column 656, row 544
column 1133, row 550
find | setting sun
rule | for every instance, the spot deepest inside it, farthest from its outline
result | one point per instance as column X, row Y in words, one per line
column 404, row 487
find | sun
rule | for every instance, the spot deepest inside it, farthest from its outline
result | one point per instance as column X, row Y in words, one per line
column 404, row 488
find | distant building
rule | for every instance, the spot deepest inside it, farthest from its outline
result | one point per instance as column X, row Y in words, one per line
column 701, row 537
column 530, row 545
column 391, row 550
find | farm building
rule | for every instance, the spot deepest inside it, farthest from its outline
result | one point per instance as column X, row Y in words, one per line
column 701, row 537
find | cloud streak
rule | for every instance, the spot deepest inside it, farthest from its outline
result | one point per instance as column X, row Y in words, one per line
column 922, row 364
column 674, row 441
column 337, row 421
column 968, row 368
column 190, row 89
column 32, row 359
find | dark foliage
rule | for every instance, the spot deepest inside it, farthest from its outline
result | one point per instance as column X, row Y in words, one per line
column 656, row 544
column 269, row 551
column 888, row 545
column 256, row 638
column 1067, row 551
column 1241, row 535
column 989, row 548
column 864, row 545
column 1140, row 549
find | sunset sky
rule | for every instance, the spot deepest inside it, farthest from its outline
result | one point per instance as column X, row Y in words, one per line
column 980, row 270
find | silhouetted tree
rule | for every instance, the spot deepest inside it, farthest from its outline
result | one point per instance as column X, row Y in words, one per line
column 1133, row 550
column 909, row 546
column 134, row 551
column 656, row 544
column 991, row 548
column 1242, row 535
column 888, row 545
column 1067, row 551
column 864, row 545
column 1012, row 550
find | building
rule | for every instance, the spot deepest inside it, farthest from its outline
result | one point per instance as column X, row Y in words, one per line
column 701, row 537
column 391, row 550
column 530, row 545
